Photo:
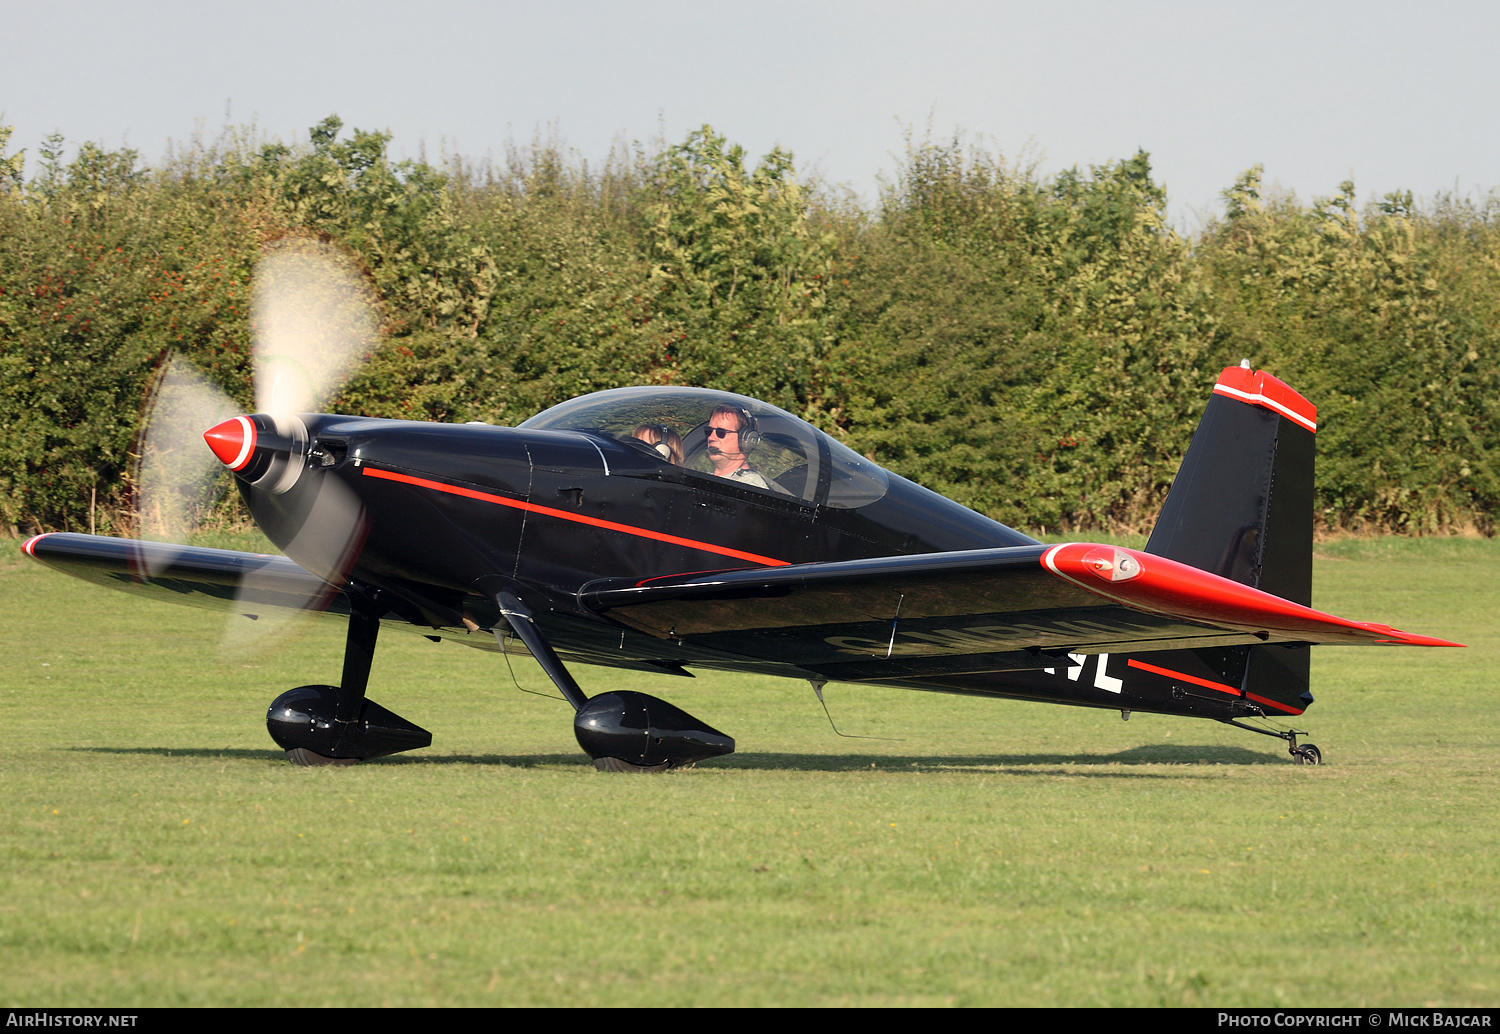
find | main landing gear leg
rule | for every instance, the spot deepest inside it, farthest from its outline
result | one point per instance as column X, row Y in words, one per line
column 622, row 731
column 1307, row 754
column 339, row 725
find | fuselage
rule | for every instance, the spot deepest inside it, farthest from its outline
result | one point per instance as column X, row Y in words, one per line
column 450, row 513
column 439, row 524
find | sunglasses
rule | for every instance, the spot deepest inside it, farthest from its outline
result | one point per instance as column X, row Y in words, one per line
column 721, row 432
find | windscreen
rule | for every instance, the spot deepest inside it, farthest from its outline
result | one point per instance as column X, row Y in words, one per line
column 720, row 434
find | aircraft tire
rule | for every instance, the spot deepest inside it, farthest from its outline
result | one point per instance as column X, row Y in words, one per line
column 304, row 758
column 617, row 765
column 1309, row 755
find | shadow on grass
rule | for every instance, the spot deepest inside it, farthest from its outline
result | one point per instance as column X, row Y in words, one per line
column 1157, row 755
column 1040, row 764
column 236, row 753
column 279, row 756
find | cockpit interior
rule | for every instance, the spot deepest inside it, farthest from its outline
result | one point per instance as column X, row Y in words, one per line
column 796, row 460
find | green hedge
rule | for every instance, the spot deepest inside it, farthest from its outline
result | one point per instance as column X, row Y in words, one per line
column 1038, row 349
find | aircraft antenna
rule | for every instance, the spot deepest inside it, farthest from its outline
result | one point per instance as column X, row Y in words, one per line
column 505, row 650
column 817, row 688
column 890, row 648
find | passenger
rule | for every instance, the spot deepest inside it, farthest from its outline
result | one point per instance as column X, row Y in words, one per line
column 731, row 436
column 667, row 442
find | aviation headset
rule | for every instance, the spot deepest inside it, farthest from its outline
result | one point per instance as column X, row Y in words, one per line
column 749, row 436
column 660, row 445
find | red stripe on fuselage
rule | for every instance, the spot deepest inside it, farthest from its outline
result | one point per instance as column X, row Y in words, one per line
column 1271, row 703
column 1169, row 673
column 1221, row 687
column 577, row 518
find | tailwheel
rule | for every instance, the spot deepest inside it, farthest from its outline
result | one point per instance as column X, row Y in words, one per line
column 1306, row 754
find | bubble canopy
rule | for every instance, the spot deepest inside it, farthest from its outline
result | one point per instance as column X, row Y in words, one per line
column 793, row 457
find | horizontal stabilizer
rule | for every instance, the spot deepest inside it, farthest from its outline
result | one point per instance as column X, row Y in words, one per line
column 962, row 612
column 1157, row 585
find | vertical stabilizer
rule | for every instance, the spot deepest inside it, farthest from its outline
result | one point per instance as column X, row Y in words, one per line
column 1242, row 504
column 1242, row 507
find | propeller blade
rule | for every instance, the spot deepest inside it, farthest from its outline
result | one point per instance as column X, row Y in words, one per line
column 332, row 534
column 177, row 478
column 327, row 543
column 314, row 316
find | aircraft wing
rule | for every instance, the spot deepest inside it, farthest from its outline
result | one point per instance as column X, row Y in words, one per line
column 213, row 579
column 993, row 610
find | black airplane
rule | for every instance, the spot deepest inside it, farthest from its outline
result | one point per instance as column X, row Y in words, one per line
column 661, row 529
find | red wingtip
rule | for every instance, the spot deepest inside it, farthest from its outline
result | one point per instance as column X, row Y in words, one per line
column 233, row 441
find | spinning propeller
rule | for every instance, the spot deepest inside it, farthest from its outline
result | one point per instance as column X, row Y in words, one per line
column 314, row 317
column 176, row 477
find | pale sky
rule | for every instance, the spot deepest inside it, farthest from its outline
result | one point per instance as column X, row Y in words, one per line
column 1391, row 95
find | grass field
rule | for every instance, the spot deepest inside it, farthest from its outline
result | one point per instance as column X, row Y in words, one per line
column 157, row 849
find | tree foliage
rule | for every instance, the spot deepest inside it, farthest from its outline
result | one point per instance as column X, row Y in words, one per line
column 1038, row 349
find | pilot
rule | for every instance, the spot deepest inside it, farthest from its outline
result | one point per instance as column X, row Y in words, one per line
column 663, row 439
column 731, row 436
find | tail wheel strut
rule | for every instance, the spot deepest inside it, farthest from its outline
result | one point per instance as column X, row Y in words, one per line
column 1307, row 754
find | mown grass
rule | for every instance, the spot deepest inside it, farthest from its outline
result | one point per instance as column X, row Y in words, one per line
column 155, row 849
